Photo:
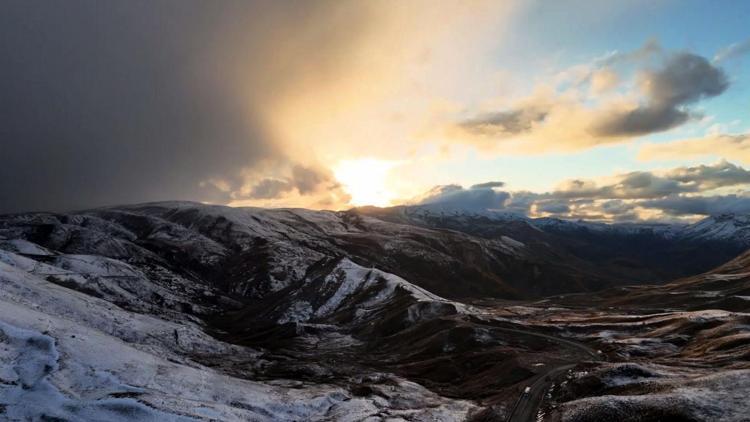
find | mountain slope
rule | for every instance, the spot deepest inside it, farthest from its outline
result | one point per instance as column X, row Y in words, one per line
column 723, row 227
column 602, row 254
column 254, row 252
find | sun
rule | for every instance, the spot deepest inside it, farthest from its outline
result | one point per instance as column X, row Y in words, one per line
column 365, row 180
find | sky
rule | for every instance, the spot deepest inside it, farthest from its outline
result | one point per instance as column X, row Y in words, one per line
column 612, row 111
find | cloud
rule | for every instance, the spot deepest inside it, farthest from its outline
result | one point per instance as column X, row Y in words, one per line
column 488, row 185
column 270, row 188
column 592, row 105
column 303, row 180
column 617, row 207
column 477, row 197
column 700, row 205
column 714, row 176
column 735, row 146
column 632, row 185
column 505, row 123
column 644, row 184
column 684, row 79
column 603, row 80
column 650, row 49
column 637, row 121
column 633, row 196
column 552, row 207
column 733, row 51
column 675, row 192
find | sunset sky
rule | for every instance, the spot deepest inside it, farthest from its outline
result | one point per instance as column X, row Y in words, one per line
column 604, row 110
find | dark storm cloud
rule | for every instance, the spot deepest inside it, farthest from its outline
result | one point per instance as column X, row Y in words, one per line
column 112, row 102
column 684, row 79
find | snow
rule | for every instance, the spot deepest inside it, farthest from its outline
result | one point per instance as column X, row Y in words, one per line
column 350, row 286
column 721, row 227
column 29, row 359
column 30, row 265
column 620, row 374
column 24, row 247
column 349, row 277
column 299, row 311
column 715, row 397
column 730, row 227
column 82, row 358
column 727, row 277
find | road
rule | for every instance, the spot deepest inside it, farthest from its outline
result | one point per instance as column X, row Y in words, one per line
column 527, row 405
column 569, row 343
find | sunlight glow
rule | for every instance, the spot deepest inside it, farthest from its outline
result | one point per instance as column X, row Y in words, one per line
column 365, row 180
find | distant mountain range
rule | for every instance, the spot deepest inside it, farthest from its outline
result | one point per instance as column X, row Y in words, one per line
column 593, row 255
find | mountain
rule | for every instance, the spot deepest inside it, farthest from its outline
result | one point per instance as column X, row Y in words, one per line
column 253, row 252
column 601, row 254
column 183, row 311
column 730, row 228
column 726, row 287
column 724, row 227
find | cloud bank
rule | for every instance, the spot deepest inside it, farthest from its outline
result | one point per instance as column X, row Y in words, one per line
column 665, row 195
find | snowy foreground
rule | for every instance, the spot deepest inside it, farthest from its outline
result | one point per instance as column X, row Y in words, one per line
column 72, row 356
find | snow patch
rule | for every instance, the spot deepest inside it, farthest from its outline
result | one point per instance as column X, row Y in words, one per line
column 27, row 361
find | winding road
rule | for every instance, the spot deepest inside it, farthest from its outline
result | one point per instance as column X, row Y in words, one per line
column 528, row 403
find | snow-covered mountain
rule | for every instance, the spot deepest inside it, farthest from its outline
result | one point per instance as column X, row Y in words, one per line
column 182, row 311
column 611, row 254
column 731, row 228
column 725, row 227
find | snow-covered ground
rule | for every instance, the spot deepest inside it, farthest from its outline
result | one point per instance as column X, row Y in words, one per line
column 348, row 280
column 719, row 397
column 73, row 356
